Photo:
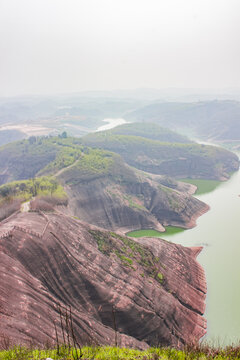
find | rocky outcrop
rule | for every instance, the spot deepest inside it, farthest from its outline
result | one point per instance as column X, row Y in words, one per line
column 157, row 288
column 125, row 199
column 143, row 204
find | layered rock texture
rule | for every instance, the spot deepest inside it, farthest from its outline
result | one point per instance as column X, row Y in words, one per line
column 122, row 198
column 157, row 289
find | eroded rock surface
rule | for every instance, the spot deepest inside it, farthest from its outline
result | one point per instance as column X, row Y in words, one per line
column 125, row 199
column 157, row 289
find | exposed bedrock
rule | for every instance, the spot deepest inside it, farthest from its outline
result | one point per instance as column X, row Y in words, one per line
column 141, row 204
column 157, row 289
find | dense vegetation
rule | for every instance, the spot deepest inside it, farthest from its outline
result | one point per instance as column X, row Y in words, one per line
column 44, row 189
column 26, row 189
column 39, row 156
column 150, row 131
column 91, row 173
column 174, row 159
column 96, row 163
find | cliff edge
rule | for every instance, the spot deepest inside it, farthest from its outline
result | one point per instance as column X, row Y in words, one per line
column 157, row 288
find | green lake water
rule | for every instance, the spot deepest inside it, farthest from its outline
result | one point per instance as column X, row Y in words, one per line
column 218, row 231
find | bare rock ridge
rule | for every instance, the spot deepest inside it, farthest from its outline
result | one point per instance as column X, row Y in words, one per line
column 157, row 288
column 134, row 206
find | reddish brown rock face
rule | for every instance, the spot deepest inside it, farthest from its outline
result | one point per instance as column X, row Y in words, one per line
column 157, row 290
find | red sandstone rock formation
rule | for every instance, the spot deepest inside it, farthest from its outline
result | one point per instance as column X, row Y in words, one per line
column 157, row 289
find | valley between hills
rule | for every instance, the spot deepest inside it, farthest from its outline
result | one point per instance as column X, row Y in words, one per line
column 71, row 248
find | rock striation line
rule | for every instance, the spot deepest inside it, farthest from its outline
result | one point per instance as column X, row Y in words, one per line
column 156, row 288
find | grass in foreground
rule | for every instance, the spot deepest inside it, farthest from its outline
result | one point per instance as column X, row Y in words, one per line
column 115, row 353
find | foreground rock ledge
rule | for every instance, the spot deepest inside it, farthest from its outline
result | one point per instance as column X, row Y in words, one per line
column 157, row 289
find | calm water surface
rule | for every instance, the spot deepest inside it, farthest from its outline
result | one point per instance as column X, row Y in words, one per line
column 219, row 232
column 111, row 123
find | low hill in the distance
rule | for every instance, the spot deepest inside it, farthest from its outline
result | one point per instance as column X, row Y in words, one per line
column 50, row 261
column 76, row 114
column 150, row 131
column 209, row 120
column 176, row 159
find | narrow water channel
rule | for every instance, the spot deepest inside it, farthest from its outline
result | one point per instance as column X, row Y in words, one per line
column 219, row 232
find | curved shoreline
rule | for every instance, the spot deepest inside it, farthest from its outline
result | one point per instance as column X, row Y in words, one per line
column 193, row 222
column 189, row 225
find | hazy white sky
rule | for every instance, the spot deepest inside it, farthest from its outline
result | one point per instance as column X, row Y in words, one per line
column 52, row 46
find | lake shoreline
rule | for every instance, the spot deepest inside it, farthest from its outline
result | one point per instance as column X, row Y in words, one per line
column 190, row 225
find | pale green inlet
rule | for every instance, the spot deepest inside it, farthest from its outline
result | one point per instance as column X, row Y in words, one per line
column 170, row 230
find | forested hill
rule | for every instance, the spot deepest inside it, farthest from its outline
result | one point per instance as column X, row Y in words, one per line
column 46, row 155
column 103, row 190
column 150, row 131
column 177, row 159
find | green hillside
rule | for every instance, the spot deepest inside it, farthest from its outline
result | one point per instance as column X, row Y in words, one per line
column 37, row 156
column 26, row 189
column 150, row 131
column 94, row 164
column 189, row 160
column 49, row 155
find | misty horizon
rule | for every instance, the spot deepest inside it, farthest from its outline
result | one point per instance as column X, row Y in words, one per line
column 63, row 47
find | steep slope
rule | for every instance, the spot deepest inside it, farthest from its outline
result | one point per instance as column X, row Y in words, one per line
column 104, row 191
column 173, row 159
column 213, row 120
column 50, row 259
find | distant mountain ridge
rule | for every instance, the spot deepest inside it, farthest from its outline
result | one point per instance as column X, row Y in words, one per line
column 213, row 120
